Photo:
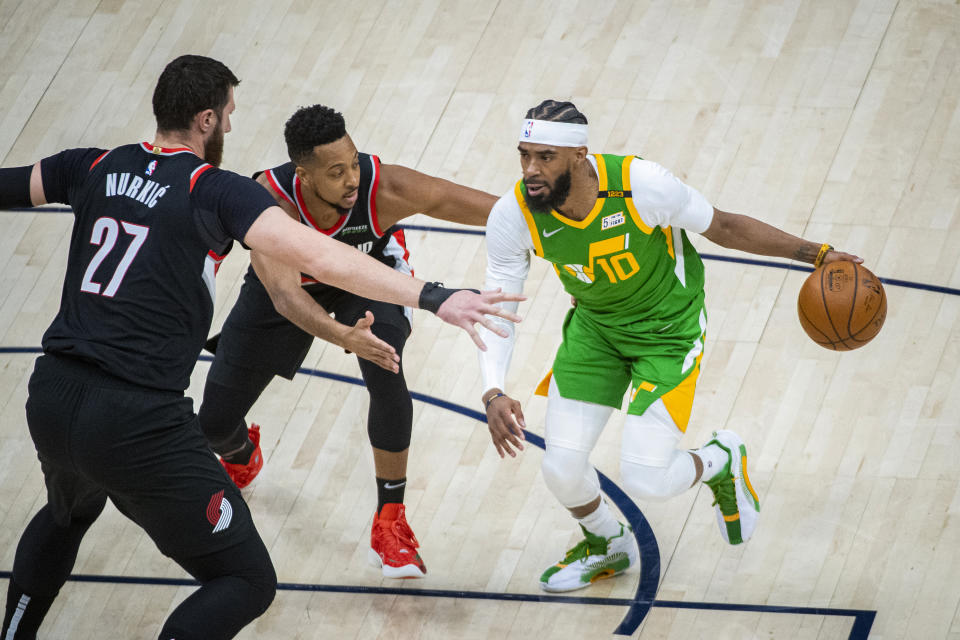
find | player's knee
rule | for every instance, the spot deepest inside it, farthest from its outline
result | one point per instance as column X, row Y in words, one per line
column 569, row 476
column 263, row 590
column 390, row 418
column 645, row 482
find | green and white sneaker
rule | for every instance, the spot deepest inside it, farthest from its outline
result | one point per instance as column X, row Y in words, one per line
column 594, row 558
column 737, row 504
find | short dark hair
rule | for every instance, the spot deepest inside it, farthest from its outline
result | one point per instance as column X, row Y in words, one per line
column 188, row 85
column 556, row 111
column 310, row 127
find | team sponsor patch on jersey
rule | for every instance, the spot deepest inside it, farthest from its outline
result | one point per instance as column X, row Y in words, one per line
column 612, row 220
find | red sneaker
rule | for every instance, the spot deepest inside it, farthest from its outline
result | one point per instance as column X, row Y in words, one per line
column 243, row 474
column 393, row 545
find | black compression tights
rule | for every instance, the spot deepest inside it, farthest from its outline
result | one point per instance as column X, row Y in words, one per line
column 390, row 417
column 223, row 412
column 45, row 557
column 239, row 583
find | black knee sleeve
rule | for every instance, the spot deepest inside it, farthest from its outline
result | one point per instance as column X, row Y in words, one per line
column 238, row 585
column 222, row 414
column 390, row 418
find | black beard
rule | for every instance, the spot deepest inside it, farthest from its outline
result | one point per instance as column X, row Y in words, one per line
column 213, row 150
column 340, row 210
column 554, row 199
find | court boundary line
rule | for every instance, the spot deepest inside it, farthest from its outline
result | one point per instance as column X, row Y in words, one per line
column 637, row 607
column 863, row 619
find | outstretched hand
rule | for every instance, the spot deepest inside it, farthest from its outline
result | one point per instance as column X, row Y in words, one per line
column 359, row 339
column 466, row 308
column 505, row 421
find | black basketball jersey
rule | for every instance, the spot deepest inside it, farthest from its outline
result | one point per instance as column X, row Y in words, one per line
column 151, row 226
column 359, row 228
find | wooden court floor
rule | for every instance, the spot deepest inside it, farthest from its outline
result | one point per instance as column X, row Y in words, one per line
column 838, row 120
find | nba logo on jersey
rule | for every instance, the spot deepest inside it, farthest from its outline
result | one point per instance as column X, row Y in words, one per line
column 528, row 129
column 612, row 221
column 151, row 167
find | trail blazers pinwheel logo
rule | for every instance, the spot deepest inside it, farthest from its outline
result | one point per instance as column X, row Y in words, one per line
column 219, row 512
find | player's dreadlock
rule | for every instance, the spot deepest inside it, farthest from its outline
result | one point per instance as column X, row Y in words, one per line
column 556, row 111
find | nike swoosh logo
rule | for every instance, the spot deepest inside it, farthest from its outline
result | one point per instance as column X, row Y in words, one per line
column 547, row 235
column 387, row 485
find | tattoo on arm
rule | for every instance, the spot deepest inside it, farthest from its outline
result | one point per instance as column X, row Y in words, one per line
column 806, row 253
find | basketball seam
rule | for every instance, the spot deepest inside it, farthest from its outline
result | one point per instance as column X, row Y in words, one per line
column 813, row 326
column 853, row 304
column 883, row 305
column 826, row 308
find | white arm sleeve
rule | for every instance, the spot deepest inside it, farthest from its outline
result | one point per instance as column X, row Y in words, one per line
column 662, row 200
column 508, row 263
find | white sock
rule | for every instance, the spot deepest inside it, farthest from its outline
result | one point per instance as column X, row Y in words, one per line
column 601, row 522
column 714, row 460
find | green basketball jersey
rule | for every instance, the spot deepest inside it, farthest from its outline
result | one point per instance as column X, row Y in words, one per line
column 621, row 271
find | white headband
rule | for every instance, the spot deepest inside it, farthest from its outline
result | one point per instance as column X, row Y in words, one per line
column 556, row 134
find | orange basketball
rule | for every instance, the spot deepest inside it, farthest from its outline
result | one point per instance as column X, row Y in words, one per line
column 842, row 306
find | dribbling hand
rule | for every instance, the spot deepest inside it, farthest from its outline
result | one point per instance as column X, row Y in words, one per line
column 836, row 256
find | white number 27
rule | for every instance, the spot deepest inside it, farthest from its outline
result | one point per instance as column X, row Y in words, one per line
column 105, row 232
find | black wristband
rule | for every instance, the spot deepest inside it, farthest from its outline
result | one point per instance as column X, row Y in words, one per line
column 435, row 294
column 15, row 187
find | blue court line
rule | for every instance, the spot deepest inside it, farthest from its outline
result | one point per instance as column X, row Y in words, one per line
column 638, row 607
column 863, row 620
column 936, row 288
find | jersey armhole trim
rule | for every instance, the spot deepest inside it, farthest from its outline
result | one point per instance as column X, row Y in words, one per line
column 197, row 173
column 99, row 158
column 634, row 214
column 372, row 197
column 528, row 217
column 275, row 185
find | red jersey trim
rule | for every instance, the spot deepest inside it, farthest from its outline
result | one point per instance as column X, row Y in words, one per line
column 197, row 173
column 402, row 241
column 306, row 217
column 162, row 151
column 275, row 184
column 216, row 258
column 99, row 158
column 372, row 197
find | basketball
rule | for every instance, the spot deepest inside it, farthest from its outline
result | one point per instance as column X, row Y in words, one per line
column 842, row 306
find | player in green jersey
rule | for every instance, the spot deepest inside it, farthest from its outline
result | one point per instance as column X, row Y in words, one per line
column 615, row 229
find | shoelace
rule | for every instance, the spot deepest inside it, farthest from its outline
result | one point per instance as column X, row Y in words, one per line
column 726, row 494
column 401, row 531
column 584, row 549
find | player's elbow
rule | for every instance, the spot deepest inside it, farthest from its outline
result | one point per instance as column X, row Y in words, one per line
column 724, row 229
column 283, row 301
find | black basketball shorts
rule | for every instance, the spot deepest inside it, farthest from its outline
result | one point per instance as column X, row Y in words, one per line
column 96, row 434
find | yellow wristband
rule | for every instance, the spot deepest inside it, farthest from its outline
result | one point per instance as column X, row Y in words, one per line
column 824, row 250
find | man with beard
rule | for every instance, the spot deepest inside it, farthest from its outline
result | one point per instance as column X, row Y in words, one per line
column 615, row 228
column 349, row 196
column 106, row 406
